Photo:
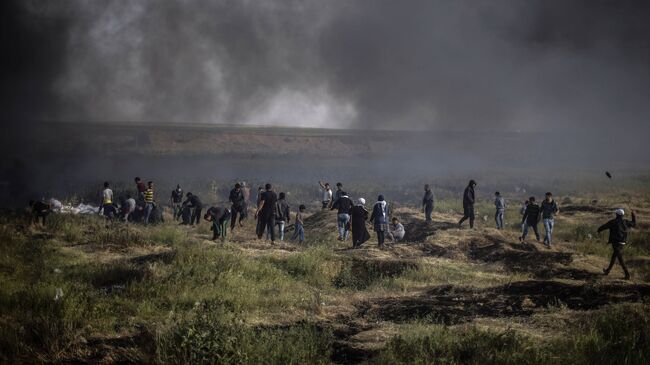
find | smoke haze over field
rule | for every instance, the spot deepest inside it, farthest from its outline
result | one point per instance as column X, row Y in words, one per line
column 441, row 65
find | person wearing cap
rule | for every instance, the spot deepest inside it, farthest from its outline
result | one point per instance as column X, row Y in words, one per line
column 618, row 230
column 468, row 204
column 379, row 218
column 427, row 202
column 549, row 210
column 344, row 206
column 358, row 220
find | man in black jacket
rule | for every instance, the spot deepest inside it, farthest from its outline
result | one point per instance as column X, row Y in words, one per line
column 618, row 229
column 194, row 202
column 344, row 206
column 427, row 202
column 531, row 218
column 468, row 204
column 266, row 212
column 219, row 218
column 238, row 206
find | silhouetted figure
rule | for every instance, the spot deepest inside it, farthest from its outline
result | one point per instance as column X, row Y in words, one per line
column 266, row 212
column 427, row 202
column 358, row 220
column 39, row 210
column 468, row 204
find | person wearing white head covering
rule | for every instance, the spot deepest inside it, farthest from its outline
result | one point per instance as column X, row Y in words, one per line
column 618, row 230
column 358, row 220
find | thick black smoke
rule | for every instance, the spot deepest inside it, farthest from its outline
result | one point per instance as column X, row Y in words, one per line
column 459, row 65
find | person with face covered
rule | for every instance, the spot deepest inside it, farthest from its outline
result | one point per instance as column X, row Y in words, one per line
column 379, row 219
column 618, row 232
column 358, row 220
column 468, row 204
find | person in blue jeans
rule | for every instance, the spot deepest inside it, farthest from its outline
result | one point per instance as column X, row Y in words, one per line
column 344, row 206
column 299, row 228
column 500, row 205
column 549, row 210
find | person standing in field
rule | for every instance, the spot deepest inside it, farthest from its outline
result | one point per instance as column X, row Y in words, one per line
column 39, row 210
column 283, row 214
column 427, row 202
column 299, row 225
column 338, row 193
column 238, row 206
column 549, row 210
column 176, row 201
column 530, row 219
column 344, row 206
column 468, row 204
column 265, row 213
column 358, row 220
column 618, row 232
column 379, row 218
column 149, row 201
column 107, row 207
column 326, row 194
column 140, row 188
column 500, row 206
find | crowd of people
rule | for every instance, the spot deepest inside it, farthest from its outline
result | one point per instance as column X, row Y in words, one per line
column 273, row 214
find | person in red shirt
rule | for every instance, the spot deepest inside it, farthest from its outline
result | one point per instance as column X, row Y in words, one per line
column 141, row 188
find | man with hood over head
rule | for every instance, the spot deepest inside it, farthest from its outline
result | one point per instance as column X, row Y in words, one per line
column 379, row 218
column 468, row 204
column 358, row 222
column 618, row 230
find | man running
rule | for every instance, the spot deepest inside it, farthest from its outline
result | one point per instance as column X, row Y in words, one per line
column 618, row 230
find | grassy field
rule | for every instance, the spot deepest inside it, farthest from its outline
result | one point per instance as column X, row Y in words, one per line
column 84, row 290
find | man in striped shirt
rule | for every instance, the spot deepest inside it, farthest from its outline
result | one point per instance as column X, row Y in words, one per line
column 149, row 201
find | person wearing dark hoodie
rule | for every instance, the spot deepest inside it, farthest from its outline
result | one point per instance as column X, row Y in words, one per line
column 531, row 218
column 379, row 219
column 266, row 212
column 283, row 214
column 194, row 202
column 358, row 220
column 219, row 218
column 238, row 206
column 344, row 206
column 427, row 202
column 618, row 231
column 468, row 204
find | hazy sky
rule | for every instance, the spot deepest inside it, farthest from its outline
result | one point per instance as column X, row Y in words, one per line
column 443, row 65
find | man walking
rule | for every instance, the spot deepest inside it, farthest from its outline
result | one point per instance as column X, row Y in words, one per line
column 265, row 213
column 500, row 205
column 379, row 218
column 344, row 206
column 549, row 210
column 531, row 219
column 618, row 230
column 282, row 217
column 427, row 202
column 238, row 205
column 468, row 204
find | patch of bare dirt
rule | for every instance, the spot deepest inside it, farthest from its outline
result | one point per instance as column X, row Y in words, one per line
column 452, row 305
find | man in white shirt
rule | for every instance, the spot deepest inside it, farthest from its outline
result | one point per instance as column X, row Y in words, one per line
column 327, row 194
